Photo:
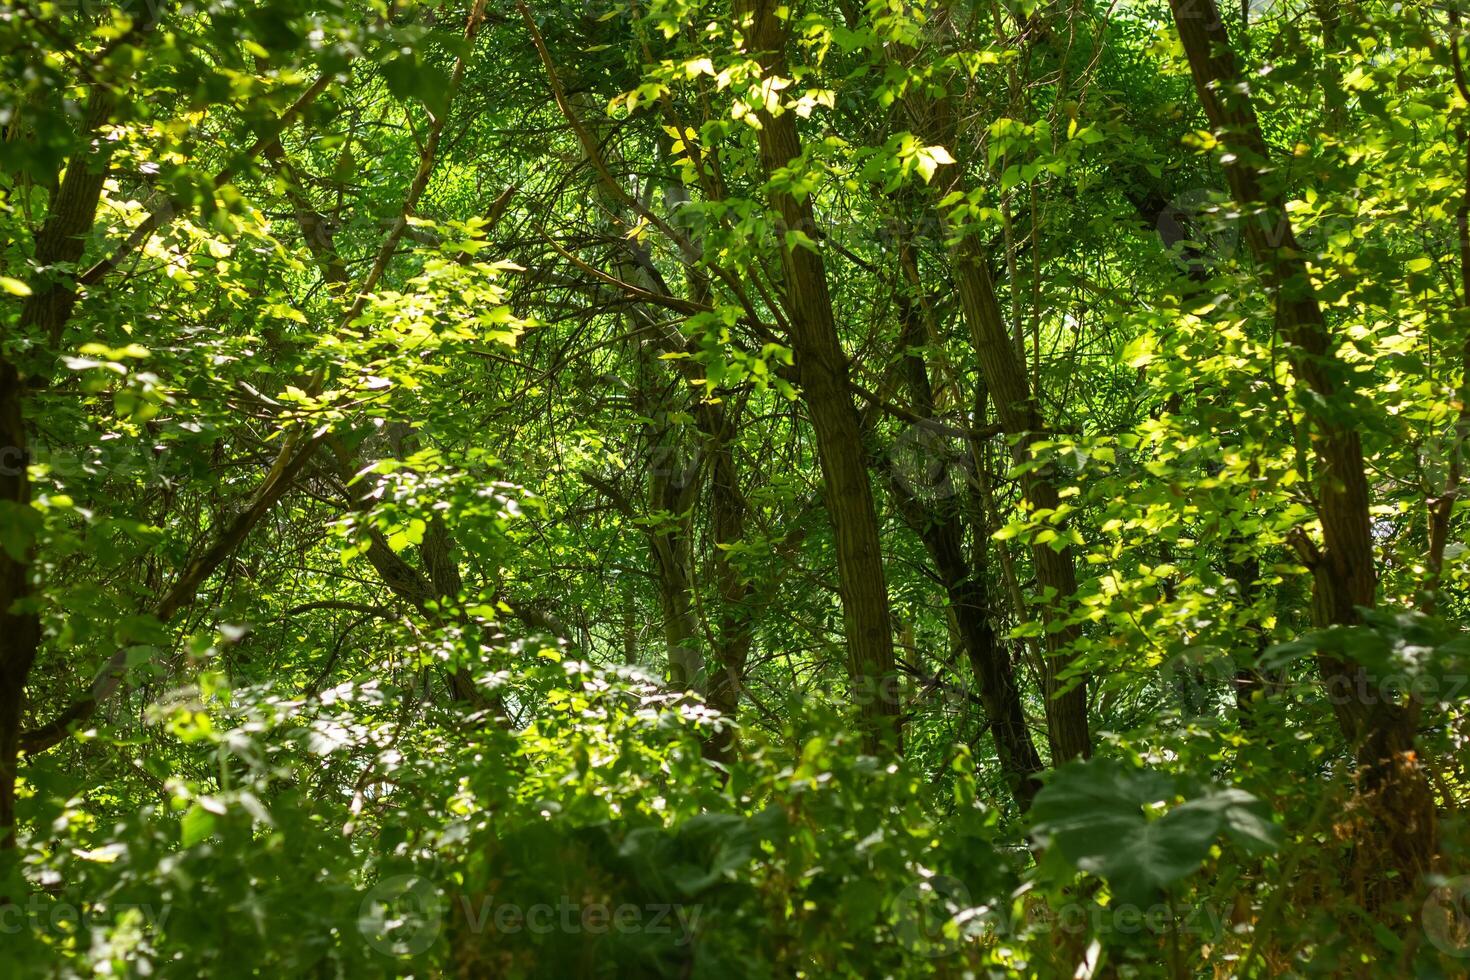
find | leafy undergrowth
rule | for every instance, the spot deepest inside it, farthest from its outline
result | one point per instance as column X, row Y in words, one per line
column 338, row 836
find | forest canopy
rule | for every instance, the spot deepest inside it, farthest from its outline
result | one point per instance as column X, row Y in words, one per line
column 956, row 488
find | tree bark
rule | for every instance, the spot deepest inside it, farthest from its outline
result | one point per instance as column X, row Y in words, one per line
column 941, row 529
column 672, row 489
column 734, row 631
column 1020, row 418
column 822, row 371
column 46, row 310
column 1344, row 570
column 1022, row 421
column 20, row 627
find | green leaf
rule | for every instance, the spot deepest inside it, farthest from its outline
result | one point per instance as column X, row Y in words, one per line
column 1098, row 815
column 198, row 823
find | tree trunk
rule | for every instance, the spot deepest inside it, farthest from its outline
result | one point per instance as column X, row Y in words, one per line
column 822, row 370
column 46, row 310
column 734, row 632
column 940, row 527
column 672, row 487
column 20, row 627
column 1021, row 419
column 1343, row 568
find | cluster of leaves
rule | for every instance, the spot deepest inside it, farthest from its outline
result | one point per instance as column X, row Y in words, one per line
column 430, row 391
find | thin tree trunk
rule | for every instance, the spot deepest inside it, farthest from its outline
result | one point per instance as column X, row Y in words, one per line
column 20, row 627
column 734, row 632
column 46, row 310
column 630, row 624
column 1021, row 419
column 1343, row 567
column 1441, row 507
column 941, row 529
column 672, row 488
column 822, row 370
column 442, row 581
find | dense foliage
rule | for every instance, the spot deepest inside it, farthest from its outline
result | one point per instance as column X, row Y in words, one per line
column 923, row 488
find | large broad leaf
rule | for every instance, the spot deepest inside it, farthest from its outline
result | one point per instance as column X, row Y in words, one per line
column 1240, row 816
column 1093, row 813
column 1088, row 804
column 1153, row 854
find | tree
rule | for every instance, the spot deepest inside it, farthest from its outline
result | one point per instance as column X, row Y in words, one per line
column 742, row 489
